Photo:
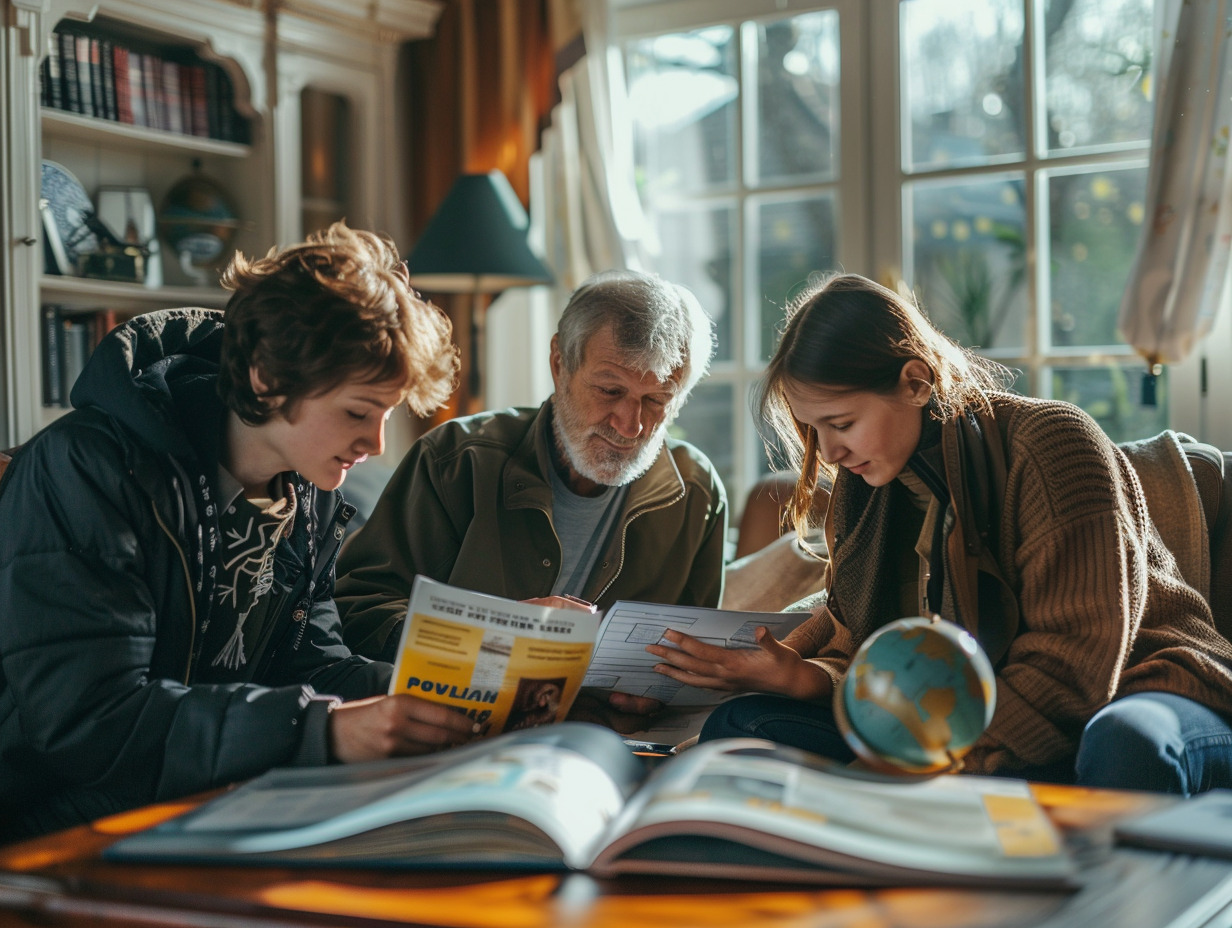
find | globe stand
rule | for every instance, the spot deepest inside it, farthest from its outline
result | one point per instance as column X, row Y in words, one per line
column 199, row 276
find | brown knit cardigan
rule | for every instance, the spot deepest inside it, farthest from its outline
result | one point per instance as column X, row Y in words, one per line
column 1051, row 562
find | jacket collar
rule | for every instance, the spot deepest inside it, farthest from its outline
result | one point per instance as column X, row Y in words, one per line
column 527, row 483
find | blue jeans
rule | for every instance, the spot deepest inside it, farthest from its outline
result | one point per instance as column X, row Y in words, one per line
column 1156, row 741
column 1149, row 741
column 804, row 725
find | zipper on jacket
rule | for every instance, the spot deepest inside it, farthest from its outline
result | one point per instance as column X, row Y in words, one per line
column 302, row 604
column 624, row 534
column 192, row 601
column 335, row 533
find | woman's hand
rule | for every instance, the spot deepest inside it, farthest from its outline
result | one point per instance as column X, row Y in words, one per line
column 392, row 726
column 771, row 667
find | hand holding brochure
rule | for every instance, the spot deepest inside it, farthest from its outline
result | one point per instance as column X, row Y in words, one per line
column 572, row 797
column 621, row 662
column 511, row 665
column 505, row 664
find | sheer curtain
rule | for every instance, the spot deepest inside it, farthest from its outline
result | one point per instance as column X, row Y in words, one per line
column 1181, row 271
column 585, row 212
column 592, row 217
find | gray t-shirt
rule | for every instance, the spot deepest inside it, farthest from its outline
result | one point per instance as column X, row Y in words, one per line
column 583, row 524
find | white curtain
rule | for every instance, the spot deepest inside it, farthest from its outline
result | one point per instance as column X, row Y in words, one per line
column 593, row 218
column 584, row 209
column 1181, row 272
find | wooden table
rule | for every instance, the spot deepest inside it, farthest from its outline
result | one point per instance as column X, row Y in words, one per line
column 61, row 880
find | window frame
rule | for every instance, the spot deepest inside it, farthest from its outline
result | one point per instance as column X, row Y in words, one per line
column 741, row 372
column 873, row 186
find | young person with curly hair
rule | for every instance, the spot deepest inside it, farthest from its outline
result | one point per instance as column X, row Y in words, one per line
column 166, row 565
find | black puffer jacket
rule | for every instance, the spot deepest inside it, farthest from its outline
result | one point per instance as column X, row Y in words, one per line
column 108, row 529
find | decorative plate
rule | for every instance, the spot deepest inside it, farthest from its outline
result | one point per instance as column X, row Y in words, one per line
column 67, row 207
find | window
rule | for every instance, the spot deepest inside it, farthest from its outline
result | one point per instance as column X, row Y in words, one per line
column 989, row 153
column 1025, row 129
column 746, row 141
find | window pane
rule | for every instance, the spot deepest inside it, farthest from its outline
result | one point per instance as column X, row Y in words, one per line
column 682, row 93
column 794, row 238
column 706, row 421
column 1113, row 396
column 697, row 246
column 796, row 100
column 968, row 247
column 962, row 81
column 1098, row 72
column 1094, row 221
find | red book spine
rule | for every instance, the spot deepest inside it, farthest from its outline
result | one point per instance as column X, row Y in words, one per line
column 104, row 321
column 123, row 88
column 198, row 101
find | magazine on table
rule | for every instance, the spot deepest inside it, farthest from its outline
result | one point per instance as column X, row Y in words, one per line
column 572, row 797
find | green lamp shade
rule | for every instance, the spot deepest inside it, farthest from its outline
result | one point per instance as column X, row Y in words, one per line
column 476, row 241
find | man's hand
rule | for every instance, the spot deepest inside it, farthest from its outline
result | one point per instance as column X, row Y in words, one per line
column 619, row 711
column 392, row 726
column 771, row 667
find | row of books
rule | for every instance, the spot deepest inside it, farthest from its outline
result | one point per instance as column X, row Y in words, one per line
column 69, row 338
column 105, row 79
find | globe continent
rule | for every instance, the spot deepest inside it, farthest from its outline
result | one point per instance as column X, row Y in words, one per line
column 918, row 694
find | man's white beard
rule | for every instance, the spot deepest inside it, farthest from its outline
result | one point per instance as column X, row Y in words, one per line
column 596, row 461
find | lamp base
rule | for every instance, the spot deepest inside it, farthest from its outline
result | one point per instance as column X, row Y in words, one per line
column 474, row 380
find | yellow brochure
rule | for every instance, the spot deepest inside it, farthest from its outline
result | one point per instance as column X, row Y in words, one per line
column 507, row 665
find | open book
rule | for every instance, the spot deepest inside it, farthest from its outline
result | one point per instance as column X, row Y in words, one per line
column 511, row 665
column 573, row 797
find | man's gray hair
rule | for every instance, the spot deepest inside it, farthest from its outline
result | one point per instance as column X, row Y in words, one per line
column 659, row 326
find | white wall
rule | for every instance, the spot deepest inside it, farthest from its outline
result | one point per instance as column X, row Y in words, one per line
column 1206, row 415
column 520, row 325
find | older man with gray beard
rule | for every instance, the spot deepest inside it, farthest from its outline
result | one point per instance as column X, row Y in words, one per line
column 583, row 496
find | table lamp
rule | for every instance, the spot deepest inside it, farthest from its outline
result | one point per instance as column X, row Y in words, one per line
column 475, row 243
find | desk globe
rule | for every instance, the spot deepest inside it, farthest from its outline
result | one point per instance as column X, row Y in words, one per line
column 199, row 223
column 919, row 692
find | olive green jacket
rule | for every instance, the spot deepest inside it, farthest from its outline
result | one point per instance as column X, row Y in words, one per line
column 471, row 505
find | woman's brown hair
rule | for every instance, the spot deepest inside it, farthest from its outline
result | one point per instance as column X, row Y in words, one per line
column 846, row 334
column 334, row 309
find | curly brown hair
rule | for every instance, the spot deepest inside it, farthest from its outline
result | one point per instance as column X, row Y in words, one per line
column 336, row 308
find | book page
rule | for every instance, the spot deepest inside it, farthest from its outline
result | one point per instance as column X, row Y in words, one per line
column 462, row 807
column 506, row 665
column 784, row 801
column 621, row 661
